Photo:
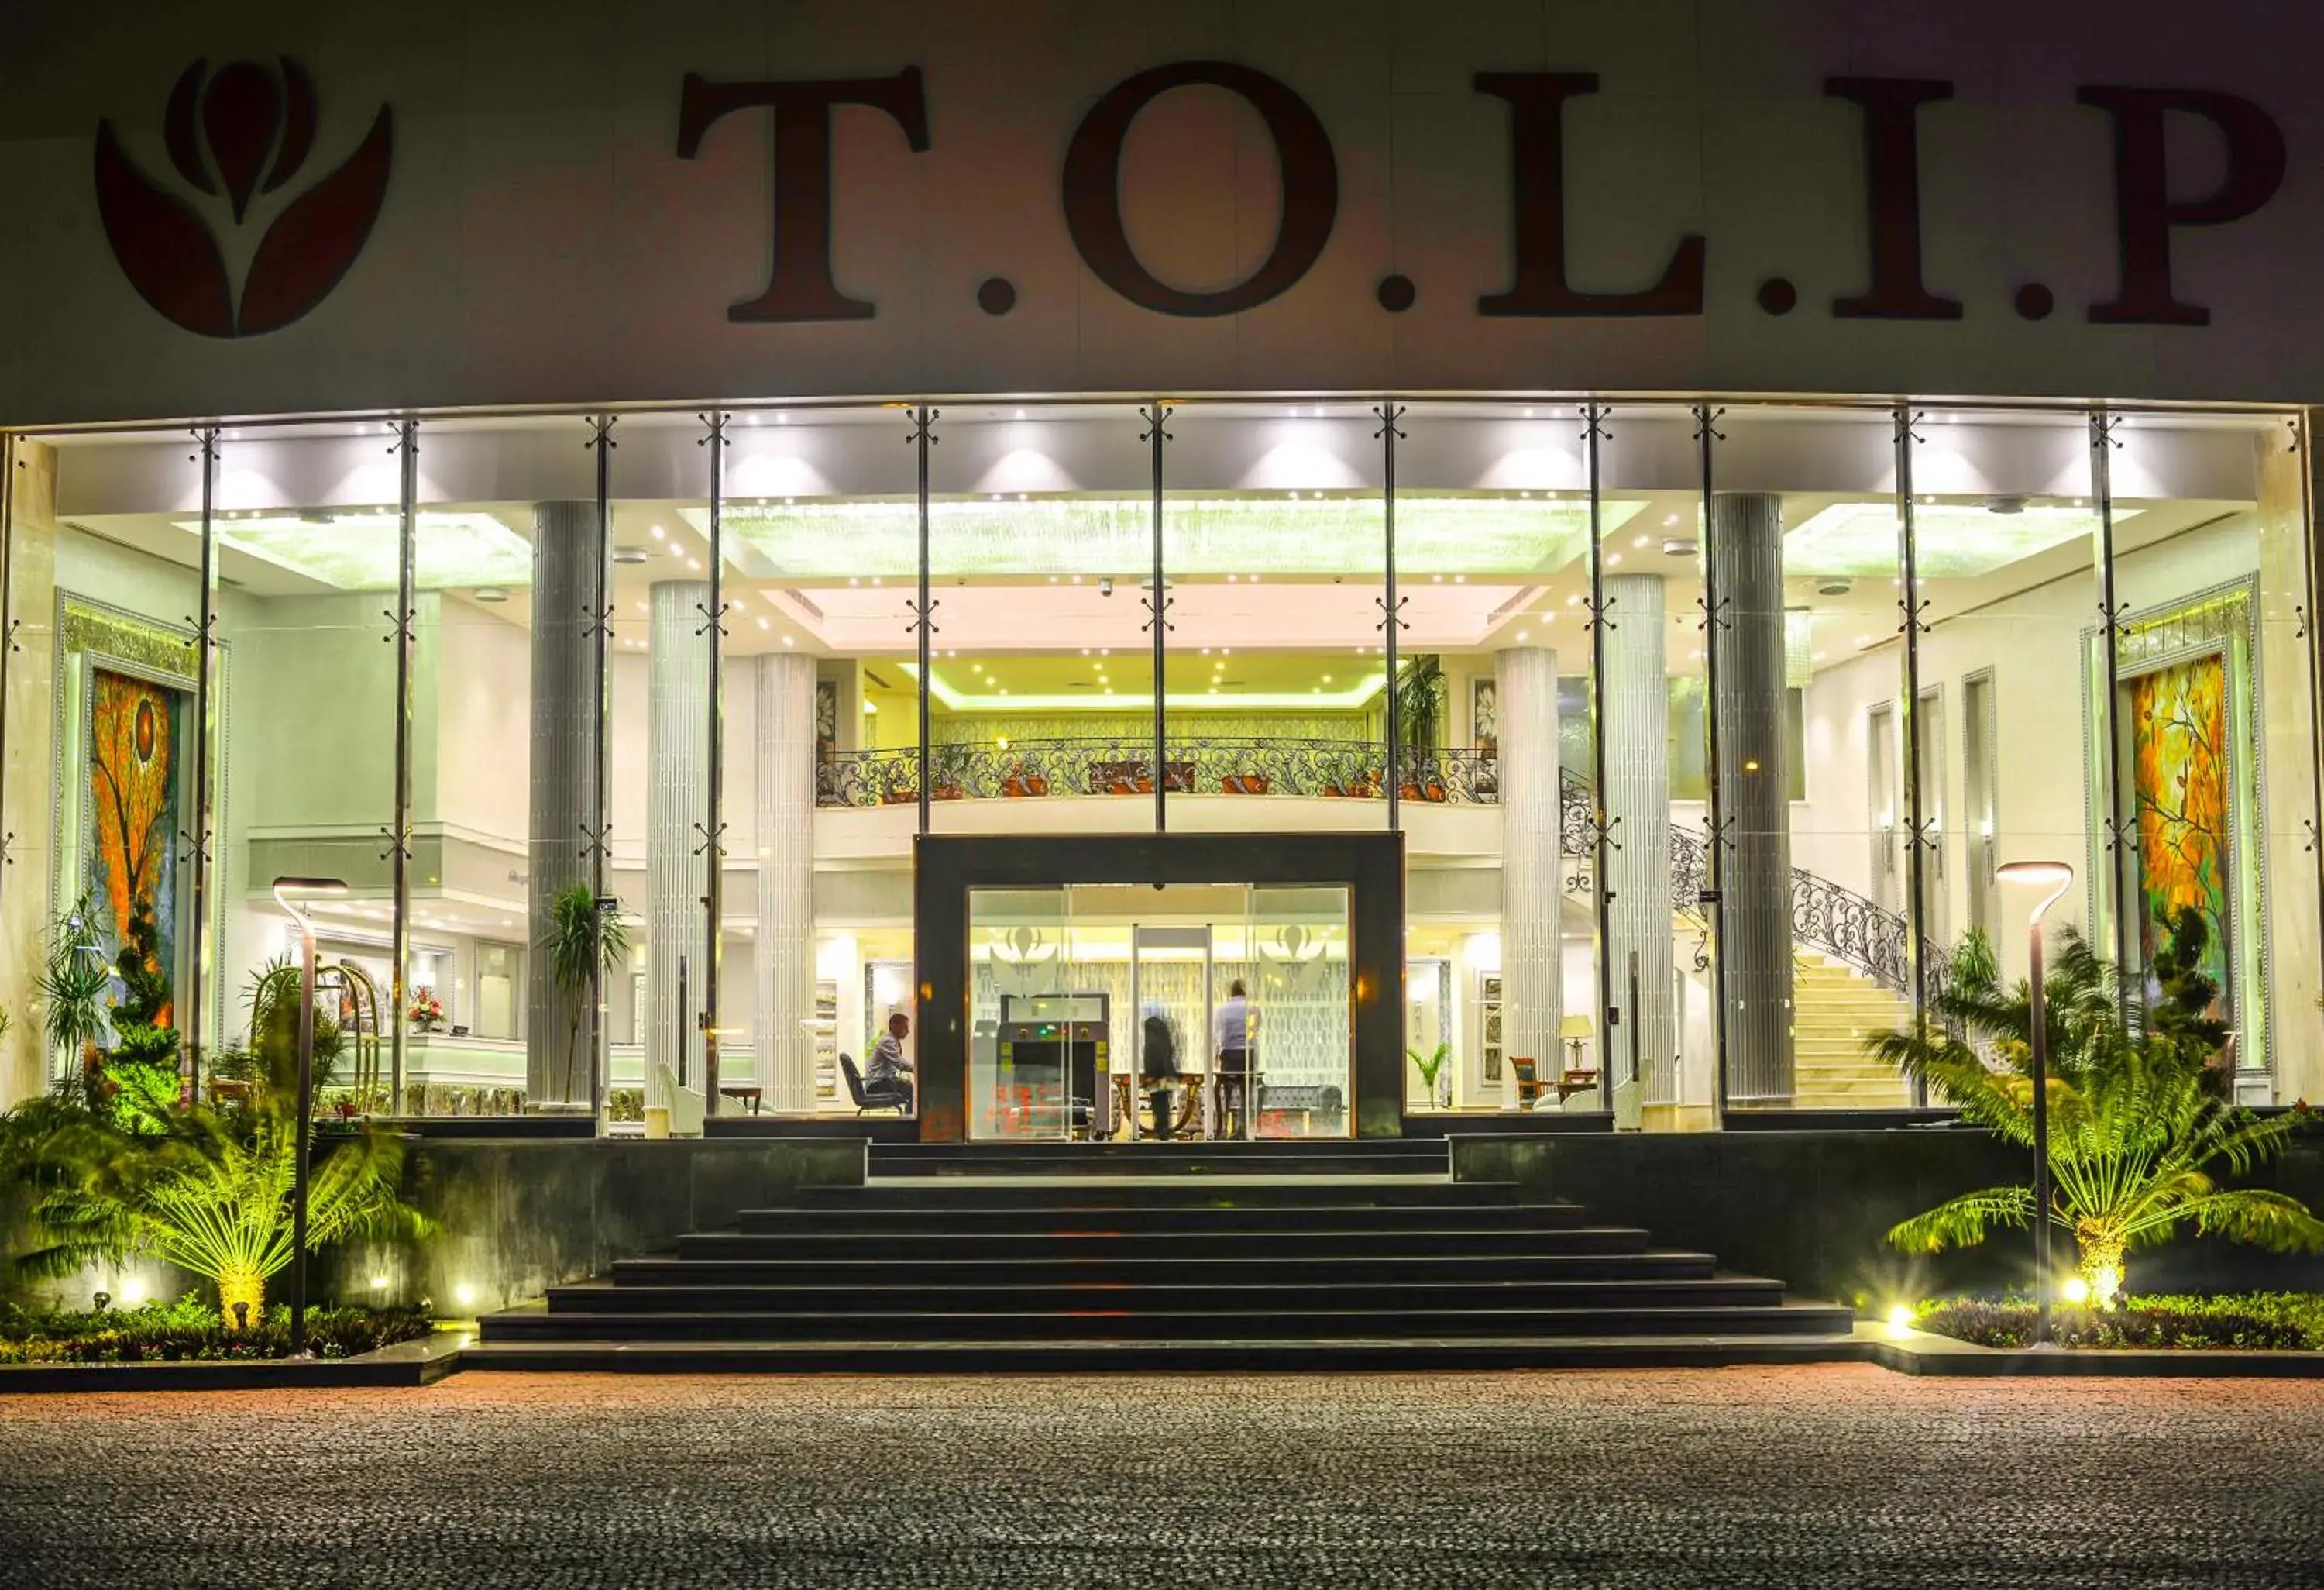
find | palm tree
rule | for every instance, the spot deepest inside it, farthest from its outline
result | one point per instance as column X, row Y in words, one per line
column 2139, row 1134
column 584, row 942
column 207, row 1188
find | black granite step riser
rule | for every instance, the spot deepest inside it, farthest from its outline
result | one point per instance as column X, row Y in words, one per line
column 1138, row 1296
column 955, row 1224
column 1267, row 1149
column 1328, row 1253
column 1135, row 1257
column 1161, row 1169
column 1166, row 1192
column 1163, row 1326
column 1610, row 1268
column 1318, row 1357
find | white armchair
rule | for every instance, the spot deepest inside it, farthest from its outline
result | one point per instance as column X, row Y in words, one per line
column 686, row 1104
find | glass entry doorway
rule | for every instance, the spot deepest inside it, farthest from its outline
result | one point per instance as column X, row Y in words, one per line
column 1196, row 1011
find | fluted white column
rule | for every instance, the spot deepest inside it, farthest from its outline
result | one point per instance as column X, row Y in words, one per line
column 785, row 827
column 677, row 804
column 1636, row 737
column 1532, row 964
column 1755, row 909
column 563, row 775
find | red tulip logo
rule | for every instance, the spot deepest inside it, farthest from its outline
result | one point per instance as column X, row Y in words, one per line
column 245, row 123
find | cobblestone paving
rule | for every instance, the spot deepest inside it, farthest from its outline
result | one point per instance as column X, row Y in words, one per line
column 1824, row 1475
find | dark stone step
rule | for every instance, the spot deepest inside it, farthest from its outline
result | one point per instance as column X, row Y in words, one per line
column 1159, row 1167
column 1347, row 1356
column 962, row 1219
column 1122, row 1323
column 1160, row 1191
column 808, row 1247
column 1277, row 1148
column 1338, row 1357
column 1150, row 1267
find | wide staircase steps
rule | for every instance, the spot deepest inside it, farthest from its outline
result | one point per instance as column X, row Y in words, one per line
column 1049, row 1257
column 1835, row 1011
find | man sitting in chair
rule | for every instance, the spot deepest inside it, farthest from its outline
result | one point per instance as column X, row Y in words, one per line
column 889, row 1073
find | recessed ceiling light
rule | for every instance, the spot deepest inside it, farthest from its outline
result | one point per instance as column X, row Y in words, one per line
column 762, row 624
column 786, row 640
column 1327, row 679
column 1521, row 636
column 695, row 564
column 1669, row 520
column 658, row 532
column 643, row 608
column 1613, row 558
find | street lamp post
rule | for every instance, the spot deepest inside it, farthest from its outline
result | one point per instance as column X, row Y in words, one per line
column 2057, row 877
column 287, row 893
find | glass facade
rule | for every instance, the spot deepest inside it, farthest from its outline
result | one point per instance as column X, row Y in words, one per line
column 1706, row 726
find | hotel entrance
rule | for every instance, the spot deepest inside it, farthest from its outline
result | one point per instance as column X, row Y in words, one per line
column 1197, row 987
column 1120, row 1012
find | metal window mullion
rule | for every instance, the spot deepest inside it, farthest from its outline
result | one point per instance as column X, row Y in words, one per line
column 601, row 766
column 1715, row 857
column 1158, row 611
column 713, row 844
column 1916, row 920
column 406, row 615
column 2303, row 435
column 2118, row 839
column 1390, row 622
column 205, row 641
column 1602, row 902
column 924, row 625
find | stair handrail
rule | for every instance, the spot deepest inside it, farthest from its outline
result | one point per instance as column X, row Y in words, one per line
column 1827, row 917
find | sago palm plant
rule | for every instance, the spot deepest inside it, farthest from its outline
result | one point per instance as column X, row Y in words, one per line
column 206, row 1188
column 2139, row 1133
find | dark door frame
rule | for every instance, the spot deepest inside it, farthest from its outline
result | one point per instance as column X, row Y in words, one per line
column 947, row 866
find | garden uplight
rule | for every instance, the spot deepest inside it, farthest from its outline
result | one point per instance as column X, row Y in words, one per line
column 2076, row 1290
column 1900, row 1320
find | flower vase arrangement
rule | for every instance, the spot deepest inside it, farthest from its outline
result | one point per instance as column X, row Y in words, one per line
column 427, row 1011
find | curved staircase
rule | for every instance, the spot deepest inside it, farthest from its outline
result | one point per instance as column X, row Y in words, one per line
column 1112, row 1256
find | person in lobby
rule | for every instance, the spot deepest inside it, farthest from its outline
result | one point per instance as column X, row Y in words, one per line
column 1233, row 1027
column 890, row 1072
column 1157, row 1067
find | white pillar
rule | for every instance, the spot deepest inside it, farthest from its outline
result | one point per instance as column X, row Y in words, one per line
column 677, row 804
column 1637, row 730
column 785, row 827
column 562, row 769
column 1533, row 1003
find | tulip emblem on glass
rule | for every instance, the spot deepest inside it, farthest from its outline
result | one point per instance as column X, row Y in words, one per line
column 239, row 138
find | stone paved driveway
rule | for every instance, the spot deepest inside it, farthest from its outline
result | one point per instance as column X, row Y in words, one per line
column 1826, row 1476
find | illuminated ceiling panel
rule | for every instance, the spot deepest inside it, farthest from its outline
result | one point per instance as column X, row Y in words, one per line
column 1951, row 541
column 1311, row 534
column 357, row 550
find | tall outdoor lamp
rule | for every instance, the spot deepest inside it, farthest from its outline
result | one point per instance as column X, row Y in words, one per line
column 287, row 893
column 2057, row 877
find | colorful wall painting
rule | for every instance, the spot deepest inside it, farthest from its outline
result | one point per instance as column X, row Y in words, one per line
column 133, row 821
column 2179, row 770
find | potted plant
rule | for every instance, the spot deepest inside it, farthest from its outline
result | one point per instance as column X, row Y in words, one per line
column 1024, row 780
column 1431, row 1066
column 584, row 944
column 948, row 765
column 1419, row 708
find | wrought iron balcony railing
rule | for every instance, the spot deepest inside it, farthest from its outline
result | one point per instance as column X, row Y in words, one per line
column 1836, row 922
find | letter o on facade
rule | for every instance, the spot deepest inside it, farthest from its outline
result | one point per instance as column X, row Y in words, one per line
column 1093, row 188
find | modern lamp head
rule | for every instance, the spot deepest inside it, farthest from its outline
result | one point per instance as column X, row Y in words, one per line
column 2056, row 877
column 290, row 891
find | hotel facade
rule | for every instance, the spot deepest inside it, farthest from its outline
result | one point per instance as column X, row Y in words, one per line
column 1552, row 550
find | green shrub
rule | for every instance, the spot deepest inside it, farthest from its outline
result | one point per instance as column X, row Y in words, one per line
column 2249, row 1320
column 188, row 1329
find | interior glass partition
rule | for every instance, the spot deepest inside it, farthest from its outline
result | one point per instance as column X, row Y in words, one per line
column 1274, row 547
column 822, row 536
column 1654, row 661
column 1495, row 578
column 1834, row 833
column 2009, row 548
column 1041, row 672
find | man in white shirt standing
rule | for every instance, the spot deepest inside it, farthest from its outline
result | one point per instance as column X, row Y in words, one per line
column 1234, row 1030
